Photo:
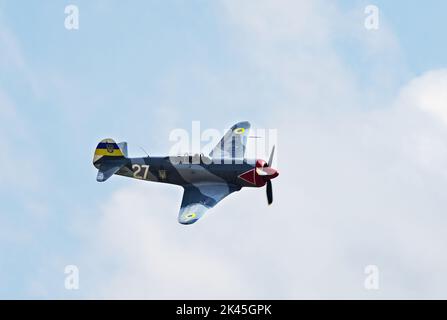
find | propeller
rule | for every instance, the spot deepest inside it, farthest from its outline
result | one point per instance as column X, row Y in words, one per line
column 269, row 192
column 271, row 157
column 269, row 173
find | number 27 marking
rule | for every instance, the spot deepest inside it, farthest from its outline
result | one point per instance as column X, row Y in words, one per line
column 137, row 169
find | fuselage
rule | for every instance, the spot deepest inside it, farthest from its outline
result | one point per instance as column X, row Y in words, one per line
column 190, row 170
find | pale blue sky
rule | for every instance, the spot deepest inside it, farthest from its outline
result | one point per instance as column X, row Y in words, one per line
column 136, row 70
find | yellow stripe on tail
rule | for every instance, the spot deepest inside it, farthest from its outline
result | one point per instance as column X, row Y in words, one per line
column 107, row 148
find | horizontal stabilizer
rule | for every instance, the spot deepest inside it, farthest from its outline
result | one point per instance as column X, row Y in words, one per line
column 105, row 171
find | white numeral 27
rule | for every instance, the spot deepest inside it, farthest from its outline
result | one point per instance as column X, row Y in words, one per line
column 137, row 169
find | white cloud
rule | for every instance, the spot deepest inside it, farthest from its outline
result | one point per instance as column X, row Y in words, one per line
column 285, row 20
column 427, row 93
column 156, row 257
column 291, row 43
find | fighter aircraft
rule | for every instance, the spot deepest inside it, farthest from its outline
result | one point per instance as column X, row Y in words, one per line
column 206, row 180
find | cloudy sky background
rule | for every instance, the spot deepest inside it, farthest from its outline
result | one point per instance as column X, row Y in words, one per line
column 362, row 148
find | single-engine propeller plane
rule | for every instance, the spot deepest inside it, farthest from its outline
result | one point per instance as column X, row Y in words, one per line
column 206, row 180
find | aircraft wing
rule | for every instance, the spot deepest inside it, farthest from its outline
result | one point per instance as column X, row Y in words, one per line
column 198, row 198
column 232, row 145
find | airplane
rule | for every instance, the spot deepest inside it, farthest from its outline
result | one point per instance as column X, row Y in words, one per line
column 206, row 180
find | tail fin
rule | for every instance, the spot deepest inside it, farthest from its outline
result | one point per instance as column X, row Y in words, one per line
column 107, row 149
column 109, row 158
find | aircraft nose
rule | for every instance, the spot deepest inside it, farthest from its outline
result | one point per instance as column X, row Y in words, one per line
column 270, row 172
column 275, row 174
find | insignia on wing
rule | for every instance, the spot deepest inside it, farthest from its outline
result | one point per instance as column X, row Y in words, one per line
column 239, row 130
column 190, row 215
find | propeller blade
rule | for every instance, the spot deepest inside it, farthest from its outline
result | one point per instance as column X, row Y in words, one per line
column 269, row 192
column 271, row 157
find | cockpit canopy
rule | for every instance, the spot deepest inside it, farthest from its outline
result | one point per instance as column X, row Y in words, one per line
column 191, row 159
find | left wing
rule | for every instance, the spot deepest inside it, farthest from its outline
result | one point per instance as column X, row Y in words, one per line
column 198, row 198
column 232, row 145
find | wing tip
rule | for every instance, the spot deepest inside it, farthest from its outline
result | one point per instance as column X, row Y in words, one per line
column 187, row 223
column 242, row 124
